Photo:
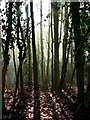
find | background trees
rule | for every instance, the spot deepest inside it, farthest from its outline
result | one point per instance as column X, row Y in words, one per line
column 58, row 46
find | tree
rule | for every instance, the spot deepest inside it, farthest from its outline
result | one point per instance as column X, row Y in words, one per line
column 48, row 57
column 86, row 34
column 29, row 49
column 56, row 47
column 79, row 51
column 41, row 38
column 35, row 67
column 0, row 44
column 65, row 54
column 21, row 44
column 0, row 52
column 6, row 55
column 52, row 43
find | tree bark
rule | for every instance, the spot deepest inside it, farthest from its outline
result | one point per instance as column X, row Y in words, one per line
column 6, row 52
column 35, row 68
column 29, row 50
column 41, row 38
column 65, row 50
column 52, row 42
column 56, row 48
column 79, row 51
column 48, row 57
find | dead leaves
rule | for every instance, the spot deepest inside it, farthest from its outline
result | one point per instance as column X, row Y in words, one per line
column 47, row 106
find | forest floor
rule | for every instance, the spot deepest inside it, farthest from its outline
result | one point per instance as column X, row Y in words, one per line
column 43, row 105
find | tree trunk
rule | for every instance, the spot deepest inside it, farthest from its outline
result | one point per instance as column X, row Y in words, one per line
column 4, row 72
column 79, row 51
column 87, row 95
column 35, row 68
column 5, row 52
column 29, row 51
column 30, row 67
column 41, row 37
column 14, row 60
column 0, row 42
column 48, row 57
column 64, row 58
column 56, row 48
column 16, row 86
column 52, row 41
column 21, row 77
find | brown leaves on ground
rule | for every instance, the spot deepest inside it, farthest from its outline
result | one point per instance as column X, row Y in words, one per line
column 40, row 105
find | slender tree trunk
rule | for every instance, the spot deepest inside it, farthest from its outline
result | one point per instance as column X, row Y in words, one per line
column 29, row 51
column 35, row 68
column 30, row 66
column 22, row 53
column 0, row 42
column 14, row 60
column 48, row 58
column 39, row 57
column 64, row 58
column 0, row 56
column 61, row 24
column 4, row 72
column 16, row 86
column 41, row 37
column 72, row 55
column 21, row 77
column 52, row 42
